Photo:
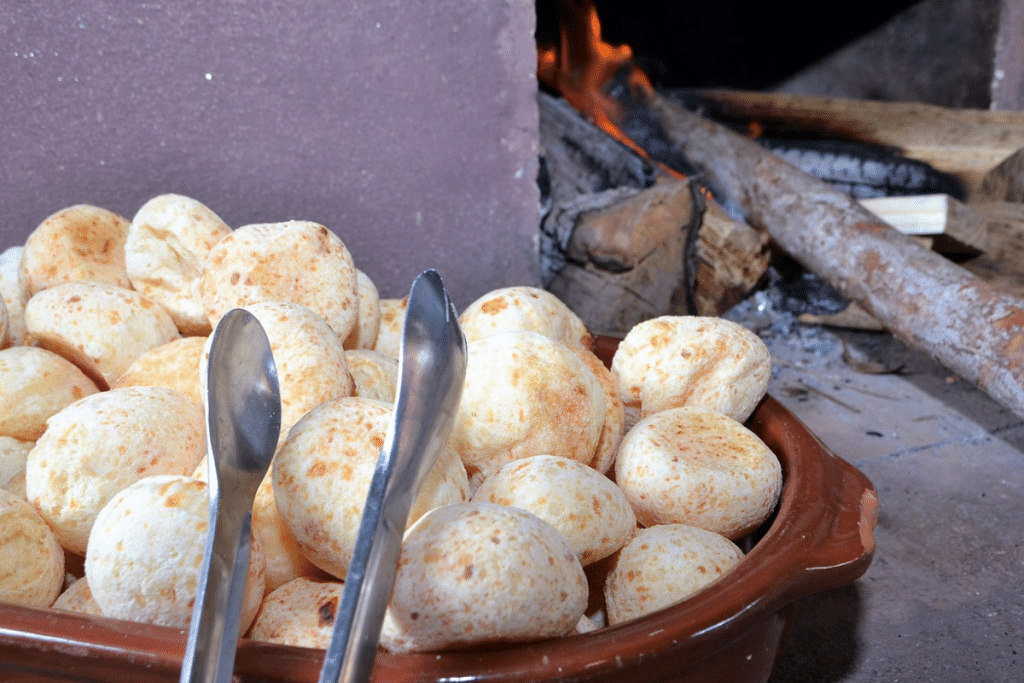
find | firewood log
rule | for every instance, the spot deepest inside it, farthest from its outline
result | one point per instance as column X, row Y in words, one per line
column 622, row 242
column 994, row 228
column 932, row 304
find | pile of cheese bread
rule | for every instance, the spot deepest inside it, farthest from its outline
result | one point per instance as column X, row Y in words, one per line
column 556, row 465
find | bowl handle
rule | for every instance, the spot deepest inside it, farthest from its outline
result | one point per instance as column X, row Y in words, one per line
column 832, row 530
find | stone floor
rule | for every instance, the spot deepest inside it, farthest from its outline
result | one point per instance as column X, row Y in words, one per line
column 943, row 599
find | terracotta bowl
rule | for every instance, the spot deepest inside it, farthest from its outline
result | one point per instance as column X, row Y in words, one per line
column 820, row 537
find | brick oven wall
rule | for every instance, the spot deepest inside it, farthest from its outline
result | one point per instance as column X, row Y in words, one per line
column 408, row 128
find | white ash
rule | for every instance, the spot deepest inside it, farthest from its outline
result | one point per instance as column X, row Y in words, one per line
column 772, row 312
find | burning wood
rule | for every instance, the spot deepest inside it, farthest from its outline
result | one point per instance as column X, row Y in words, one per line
column 581, row 63
column 923, row 298
column 622, row 241
column 862, row 170
column 625, row 235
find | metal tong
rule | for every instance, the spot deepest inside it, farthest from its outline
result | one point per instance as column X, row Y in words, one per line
column 243, row 416
column 432, row 369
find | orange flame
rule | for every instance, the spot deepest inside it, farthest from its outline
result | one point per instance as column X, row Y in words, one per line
column 581, row 65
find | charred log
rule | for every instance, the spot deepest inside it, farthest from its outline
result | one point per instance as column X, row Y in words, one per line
column 862, row 170
column 616, row 246
column 622, row 242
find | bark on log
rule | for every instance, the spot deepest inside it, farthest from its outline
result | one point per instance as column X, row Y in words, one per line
column 633, row 260
column 994, row 228
column 732, row 260
column 1005, row 182
column 924, row 299
column 621, row 242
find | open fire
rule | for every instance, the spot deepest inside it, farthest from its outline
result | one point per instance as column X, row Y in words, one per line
column 920, row 296
column 581, row 65
column 604, row 83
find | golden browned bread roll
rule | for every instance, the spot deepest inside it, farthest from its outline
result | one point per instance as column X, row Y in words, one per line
column 524, row 308
column 614, row 425
column 300, row 613
column 699, row 467
column 36, row 385
column 31, row 560
column 168, row 241
column 322, row 474
column 175, row 365
column 664, row 565
column 477, row 573
column 526, row 394
column 309, row 358
column 94, row 448
column 364, row 332
column 375, row 374
column 677, row 361
column 15, row 295
column 81, row 242
column 100, row 328
column 146, row 553
column 298, row 262
column 587, row 508
column 392, row 322
column 284, row 558
column 78, row 598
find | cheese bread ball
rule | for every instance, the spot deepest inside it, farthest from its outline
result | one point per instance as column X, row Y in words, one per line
column 146, row 553
column 524, row 308
column 168, row 242
column 15, row 295
column 100, row 328
column 322, row 474
column 78, row 598
column 36, row 385
column 615, row 414
column 297, row 261
column 13, row 456
column 81, row 242
column 175, row 365
column 94, row 448
column 375, row 374
column 284, row 558
column 662, row 566
column 392, row 323
column 677, row 361
column 299, row 613
column 31, row 560
column 526, row 394
column 698, row 467
column 477, row 573
column 587, row 508
column 309, row 358
column 364, row 332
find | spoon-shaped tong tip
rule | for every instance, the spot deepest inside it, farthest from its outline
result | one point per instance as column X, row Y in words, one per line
column 432, row 369
column 243, row 416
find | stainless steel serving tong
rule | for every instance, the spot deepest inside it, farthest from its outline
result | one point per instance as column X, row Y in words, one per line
column 432, row 368
column 243, row 418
